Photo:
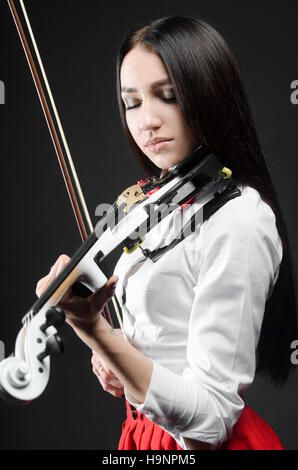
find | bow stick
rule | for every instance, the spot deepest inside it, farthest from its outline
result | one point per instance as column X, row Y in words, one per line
column 54, row 136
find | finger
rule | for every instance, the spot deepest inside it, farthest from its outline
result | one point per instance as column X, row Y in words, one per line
column 111, row 384
column 41, row 281
column 110, row 389
column 95, row 361
column 60, row 264
column 57, row 267
column 107, row 381
column 113, row 280
column 100, row 297
column 85, row 310
column 117, row 394
column 45, row 281
column 97, row 358
column 99, row 362
column 40, row 287
column 65, row 258
column 107, row 376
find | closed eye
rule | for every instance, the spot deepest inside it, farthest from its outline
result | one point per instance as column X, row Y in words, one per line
column 171, row 99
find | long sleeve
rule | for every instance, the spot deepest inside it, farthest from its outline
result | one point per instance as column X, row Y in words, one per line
column 237, row 257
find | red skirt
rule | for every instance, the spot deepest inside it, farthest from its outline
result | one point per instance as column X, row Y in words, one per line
column 251, row 432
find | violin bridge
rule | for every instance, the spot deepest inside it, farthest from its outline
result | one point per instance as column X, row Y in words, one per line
column 130, row 196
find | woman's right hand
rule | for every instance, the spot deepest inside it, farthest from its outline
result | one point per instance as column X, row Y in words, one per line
column 107, row 379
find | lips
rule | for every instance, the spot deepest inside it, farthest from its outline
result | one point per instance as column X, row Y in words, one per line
column 158, row 144
column 156, row 140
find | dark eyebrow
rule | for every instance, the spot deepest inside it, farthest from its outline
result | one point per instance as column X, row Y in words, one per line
column 154, row 85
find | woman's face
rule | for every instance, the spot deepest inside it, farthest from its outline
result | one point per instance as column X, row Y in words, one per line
column 151, row 109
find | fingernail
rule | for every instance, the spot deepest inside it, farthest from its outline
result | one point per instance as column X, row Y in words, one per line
column 113, row 286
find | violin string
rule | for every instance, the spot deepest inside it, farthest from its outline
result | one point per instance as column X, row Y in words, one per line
column 62, row 134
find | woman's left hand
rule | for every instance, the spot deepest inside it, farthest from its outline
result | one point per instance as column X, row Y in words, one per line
column 81, row 313
column 105, row 375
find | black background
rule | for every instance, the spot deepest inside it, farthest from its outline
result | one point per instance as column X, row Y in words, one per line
column 78, row 41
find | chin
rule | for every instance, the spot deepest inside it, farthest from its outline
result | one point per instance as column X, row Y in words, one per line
column 160, row 162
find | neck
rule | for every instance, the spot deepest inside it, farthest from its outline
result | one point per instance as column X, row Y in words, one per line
column 164, row 172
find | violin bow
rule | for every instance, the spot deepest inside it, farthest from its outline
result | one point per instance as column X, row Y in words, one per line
column 54, row 135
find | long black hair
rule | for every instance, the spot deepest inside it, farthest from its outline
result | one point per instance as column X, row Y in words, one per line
column 210, row 93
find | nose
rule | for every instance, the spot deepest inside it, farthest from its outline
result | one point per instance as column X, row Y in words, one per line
column 149, row 118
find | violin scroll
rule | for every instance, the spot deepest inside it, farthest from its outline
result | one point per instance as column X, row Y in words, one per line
column 25, row 375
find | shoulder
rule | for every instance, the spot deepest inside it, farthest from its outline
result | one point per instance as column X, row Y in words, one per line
column 245, row 212
column 244, row 219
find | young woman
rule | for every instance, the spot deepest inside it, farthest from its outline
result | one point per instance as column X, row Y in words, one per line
column 220, row 305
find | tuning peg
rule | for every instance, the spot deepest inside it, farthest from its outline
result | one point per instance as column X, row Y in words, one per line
column 55, row 316
column 54, row 347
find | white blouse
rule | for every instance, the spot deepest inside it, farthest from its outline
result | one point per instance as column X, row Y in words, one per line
column 197, row 313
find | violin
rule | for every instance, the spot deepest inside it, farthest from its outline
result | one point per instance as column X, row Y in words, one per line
column 137, row 210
